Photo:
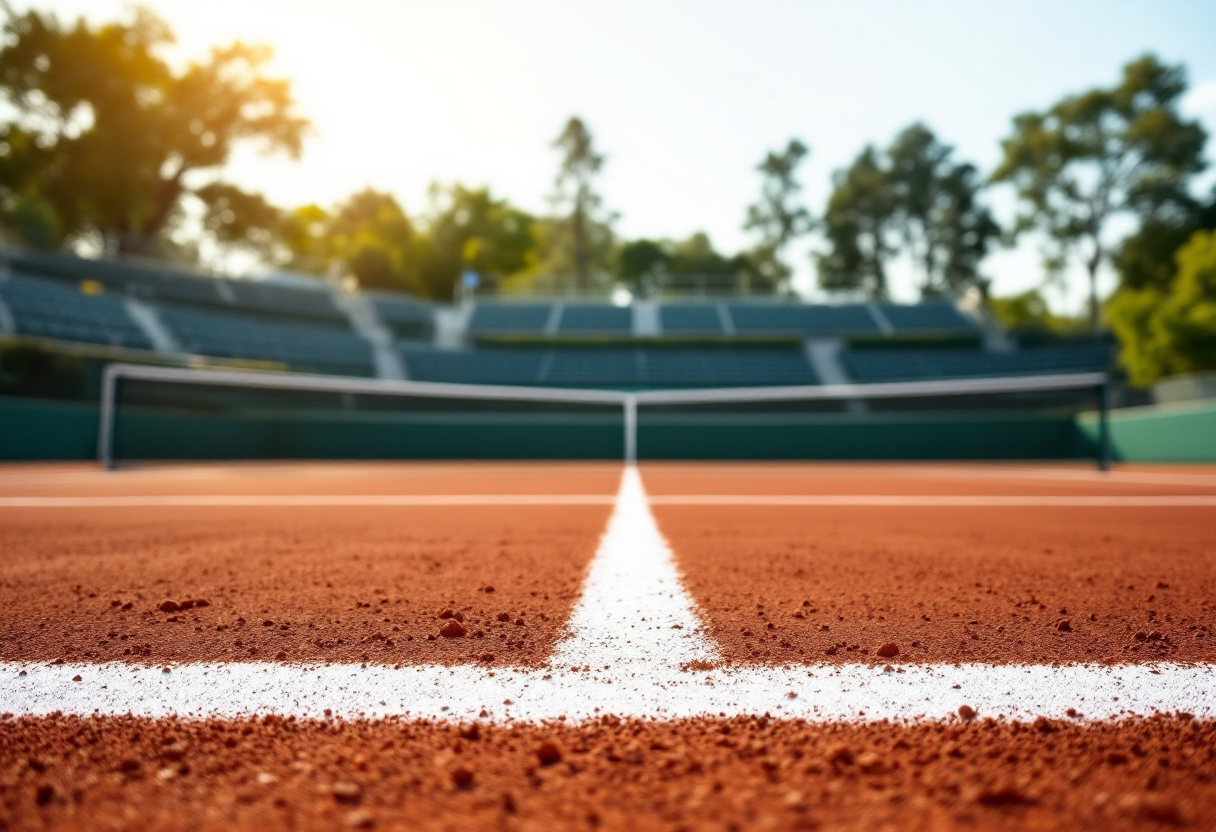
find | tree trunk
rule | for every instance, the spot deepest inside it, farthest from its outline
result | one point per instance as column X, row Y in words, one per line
column 143, row 241
column 580, row 244
column 1092, row 265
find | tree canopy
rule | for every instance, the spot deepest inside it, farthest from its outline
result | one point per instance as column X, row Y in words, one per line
column 643, row 265
column 1124, row 149
column 581, row 231
column 912, row 199
column 1171, row 330
column 858, row 225
column 107, row 139
column 778, row 218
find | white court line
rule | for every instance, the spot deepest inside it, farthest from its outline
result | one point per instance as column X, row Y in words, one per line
column 351, row 500
column 206, row 500
column 631, row 636
column 960, row 500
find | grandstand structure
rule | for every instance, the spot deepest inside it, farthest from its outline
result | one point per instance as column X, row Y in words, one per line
column 681, row 343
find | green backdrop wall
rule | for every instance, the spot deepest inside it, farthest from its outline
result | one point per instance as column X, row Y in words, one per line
column 32, row 429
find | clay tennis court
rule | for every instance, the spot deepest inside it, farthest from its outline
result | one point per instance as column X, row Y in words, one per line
column 449, row 646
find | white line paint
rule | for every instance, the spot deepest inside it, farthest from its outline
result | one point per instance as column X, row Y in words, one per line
column 823, row 692
column 633, row 609
column 809, row 500
column 946, row 500
column 341, row 500
column 632, row 636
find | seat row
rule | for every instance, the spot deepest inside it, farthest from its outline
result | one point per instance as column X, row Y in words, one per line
column 745, row 318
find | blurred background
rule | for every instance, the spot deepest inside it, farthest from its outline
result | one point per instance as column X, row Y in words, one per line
column 414, row 189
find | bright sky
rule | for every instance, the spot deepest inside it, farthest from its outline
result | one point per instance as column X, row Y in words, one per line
column 684, row 96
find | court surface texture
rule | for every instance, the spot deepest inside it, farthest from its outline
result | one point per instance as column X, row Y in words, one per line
column 671, row 646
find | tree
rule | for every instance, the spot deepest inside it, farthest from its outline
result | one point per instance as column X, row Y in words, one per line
column 113, row 140
column 913, row 199
column 574, row 193
column 1091, row 157
column 944, row 228
column 375, row 241
column 777, row 218
column 469, row 229
column 240, row 220
column 641, row 264
column 696, row 255
column 367, row 237
column 1172, row 330
column 859, row 224
column 1146, row 257
column 1029, row 310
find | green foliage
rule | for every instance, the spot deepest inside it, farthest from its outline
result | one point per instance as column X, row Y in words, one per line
column 113, row 140
column 1146, row 258
column 32, row 221
column 778, row 219
column 696, row 255
column 1171, row 330
column 641, row 264
column 580, row 238
column 913, row 198
column 367, row 237
column 1029, row 312
column 944, row 228
column 468, row 229
column 1090, row 157
column 238, row 219
column 858, row 224
column 645, row 265
column 373, row 240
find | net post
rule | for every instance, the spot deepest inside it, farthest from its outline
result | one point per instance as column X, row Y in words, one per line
column 631, row 428
column 1104, row 443
column 105, row 421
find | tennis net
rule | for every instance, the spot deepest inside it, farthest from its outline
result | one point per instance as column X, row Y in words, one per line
column 172, row 413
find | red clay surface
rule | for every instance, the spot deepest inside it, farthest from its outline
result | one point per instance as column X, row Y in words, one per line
column 126, row 773
column 297, row 584
column 996, row 585
column 76, row 479
column 990, row 582
column 916, row 478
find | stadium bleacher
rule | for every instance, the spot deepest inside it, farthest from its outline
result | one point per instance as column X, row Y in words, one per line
column 595, row 319
column 690, row 319
column 803, row 320
column 879, row 365
column 633, row 367
column 925, row 317
column 124, row 279
column 727, row 368
column 178, row 286
column 288, row 301
column 304, row 329
column 518, row 367
column 509, row 318
column 308, row 347
column 50, row 309
column 406, row 317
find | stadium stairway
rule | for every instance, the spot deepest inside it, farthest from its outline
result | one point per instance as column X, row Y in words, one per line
column 147, row 318
column 365, row 321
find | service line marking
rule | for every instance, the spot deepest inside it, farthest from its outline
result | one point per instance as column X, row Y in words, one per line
column 633, row 634
column 338, row 500
column 943, row 500
column 477, row 500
